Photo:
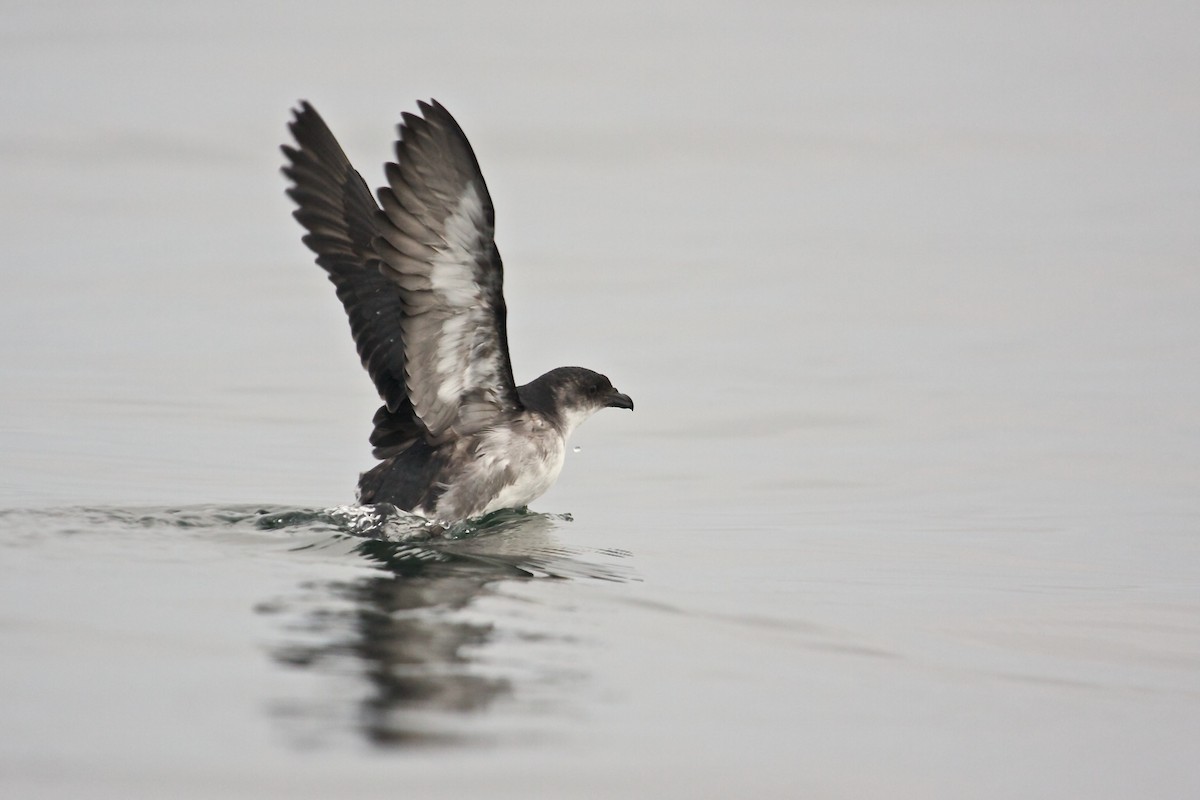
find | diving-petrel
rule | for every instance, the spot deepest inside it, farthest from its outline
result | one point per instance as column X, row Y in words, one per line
column 421, row 280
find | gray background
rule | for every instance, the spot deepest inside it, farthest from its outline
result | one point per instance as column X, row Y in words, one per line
column 906, row 295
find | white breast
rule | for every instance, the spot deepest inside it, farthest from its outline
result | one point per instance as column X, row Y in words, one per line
column 537, row 459
column 508, row 466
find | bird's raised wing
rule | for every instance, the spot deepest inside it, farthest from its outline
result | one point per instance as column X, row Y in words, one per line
column 336, row 208
column 436, row 243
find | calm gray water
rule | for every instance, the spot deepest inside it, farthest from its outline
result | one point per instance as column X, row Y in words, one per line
column 910, row 505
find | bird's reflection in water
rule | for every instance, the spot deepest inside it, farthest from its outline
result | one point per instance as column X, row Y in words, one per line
column 407, row 631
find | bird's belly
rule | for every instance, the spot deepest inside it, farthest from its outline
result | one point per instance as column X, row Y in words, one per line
column 507, row 468
column 529, row 486
column 532, row 473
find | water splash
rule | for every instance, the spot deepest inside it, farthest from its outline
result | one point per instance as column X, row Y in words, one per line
column 402, row 642
column 510, row 541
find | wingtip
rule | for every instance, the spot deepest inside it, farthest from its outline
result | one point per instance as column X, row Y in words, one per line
column 430, row 114
column 304, row 116
column 435, row 110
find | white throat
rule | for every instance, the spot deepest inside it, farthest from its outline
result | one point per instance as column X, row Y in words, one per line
column 573, row 417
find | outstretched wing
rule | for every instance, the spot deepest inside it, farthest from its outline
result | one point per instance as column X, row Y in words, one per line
column 336, row 208
column 436, row 243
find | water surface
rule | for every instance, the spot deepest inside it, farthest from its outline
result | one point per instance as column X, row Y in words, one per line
column 909, row 505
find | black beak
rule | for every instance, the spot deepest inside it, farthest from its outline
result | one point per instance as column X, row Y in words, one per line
column 618, row 400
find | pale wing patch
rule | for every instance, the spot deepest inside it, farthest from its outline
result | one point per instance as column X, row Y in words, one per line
column 438, row 249
column 451, row 344
column 452, row 279
column 451, row 274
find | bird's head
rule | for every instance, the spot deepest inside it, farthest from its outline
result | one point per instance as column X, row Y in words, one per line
column 569, row 395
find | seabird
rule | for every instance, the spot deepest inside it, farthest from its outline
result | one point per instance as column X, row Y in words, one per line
column 421, row 281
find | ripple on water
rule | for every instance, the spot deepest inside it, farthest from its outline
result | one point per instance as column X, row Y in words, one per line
column 513, row 538
column 401, row 647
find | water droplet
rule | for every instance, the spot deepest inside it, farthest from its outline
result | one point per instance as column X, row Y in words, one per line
column 578, row 448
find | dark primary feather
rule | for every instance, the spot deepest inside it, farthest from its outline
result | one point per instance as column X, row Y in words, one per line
column 407, row 481
column 436, row 243
column 421, row 280
column 336, row 208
